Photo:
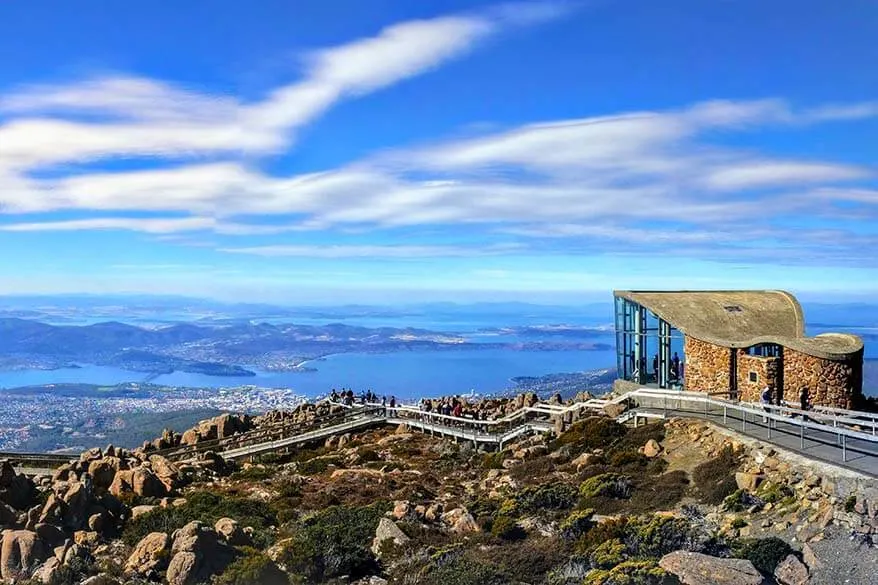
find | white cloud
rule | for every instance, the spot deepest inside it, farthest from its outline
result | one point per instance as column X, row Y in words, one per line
column 369, row 251
column 148, row 225
column 750, row 174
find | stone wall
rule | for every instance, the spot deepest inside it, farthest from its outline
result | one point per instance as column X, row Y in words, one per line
column 766, row 370
column 830, row 383
column 706, row 367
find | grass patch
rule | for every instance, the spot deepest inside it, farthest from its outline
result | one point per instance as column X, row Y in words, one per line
column 715, row 479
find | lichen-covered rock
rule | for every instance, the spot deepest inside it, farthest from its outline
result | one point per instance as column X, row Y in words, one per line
column 229, row 530
column 791, row 571
column 20, row 551
column 103, row 471
column 145, row 483
column 652, row 448
column 387, row 530
column 460, row 521
column 150, row 554
column 698, row 569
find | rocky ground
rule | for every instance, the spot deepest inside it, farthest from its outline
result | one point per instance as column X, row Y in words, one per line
column 597, row 504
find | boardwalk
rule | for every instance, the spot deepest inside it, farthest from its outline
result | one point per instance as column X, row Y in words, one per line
column 845, row 438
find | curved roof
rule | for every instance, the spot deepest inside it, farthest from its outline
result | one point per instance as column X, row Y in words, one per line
column 742, row 318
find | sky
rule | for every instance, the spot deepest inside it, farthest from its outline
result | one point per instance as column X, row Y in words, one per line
column 333, row 151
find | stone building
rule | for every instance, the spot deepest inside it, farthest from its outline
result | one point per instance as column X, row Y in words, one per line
column 733, row 344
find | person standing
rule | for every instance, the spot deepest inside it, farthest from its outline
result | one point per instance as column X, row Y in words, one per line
column 766, row 401
column 804, row 400
column 675, row 364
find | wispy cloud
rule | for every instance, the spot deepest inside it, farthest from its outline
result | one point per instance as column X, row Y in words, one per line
column 373, row 251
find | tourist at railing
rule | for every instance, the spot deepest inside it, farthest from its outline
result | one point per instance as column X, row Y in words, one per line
column 766, row 401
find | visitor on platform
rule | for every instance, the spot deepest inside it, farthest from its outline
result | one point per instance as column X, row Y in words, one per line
column 333, row 396
column 804, row 400
column 393, row 402
column 766, row 401
column 675, row 365
column 655, row 369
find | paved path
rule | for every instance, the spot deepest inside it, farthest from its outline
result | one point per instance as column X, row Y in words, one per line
column 862, row 456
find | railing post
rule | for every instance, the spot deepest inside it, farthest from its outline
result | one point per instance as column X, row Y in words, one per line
column 769, row 426
column 743, row 421
column 724, row 414
column 802, row 433
column 844, row 450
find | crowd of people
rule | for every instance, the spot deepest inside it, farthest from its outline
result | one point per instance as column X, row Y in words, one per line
column 347, row 397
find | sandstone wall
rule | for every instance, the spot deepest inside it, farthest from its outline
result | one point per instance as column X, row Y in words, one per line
column 766, row 370
column 707, row 366
column 830, row 383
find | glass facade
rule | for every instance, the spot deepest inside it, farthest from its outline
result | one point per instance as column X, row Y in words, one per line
column 649, row 350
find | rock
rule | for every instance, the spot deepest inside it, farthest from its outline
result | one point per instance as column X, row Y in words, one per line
column 582, row 461
column 77, row 501
column 197, row 554
column 433, row 512
column 748, row 481
column 122, row 482
column 19, row 552
column 387, row 530
column 810, row 558
column 103, row 471
column 15, row 490
column 86, row 538
column 698, row 569
column 150, row 554
column 101, row 579
column 166, row 471
column 183, row 569
column 48, row 573
column 51, row 536
column 190, row 437
column 652, row 448
column 614, row 410
column 147, row 484
column 97, row 522
column 791, row 571
column 141, row 510
column 460, row 521
column 401, row 509
column 8, row 516
column 229, row 531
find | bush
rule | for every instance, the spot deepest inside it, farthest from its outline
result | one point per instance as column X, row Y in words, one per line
column 548, row 496
column 628, row 573
column 494, row 460
column 715, row 479
column 318, row 465
column 592, row 433
column 254, row 473
column 366, row 455
column 663, row 492
column 764, row 553
column 577, row 523
column 533, row 468
column 251, row 568
column 506, row 528
column 608, row 554
column 334, row 542
column 611, row 485
column 206, row 507
column 740, row 500
column 850, row 503
column 461, row 569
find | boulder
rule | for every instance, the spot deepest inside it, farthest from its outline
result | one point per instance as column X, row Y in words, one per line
column 52, row 511
column 150, row 554
column 8, row 516
column 19, row 552
column 791, row 571
column 122, row 482
column 183, row 569
column 147, row 484
column 16, row 490
column 77, row 502
column 190, row 437
column 48, row 573
column 103, row 471
column 141, row 510
column 228, row 530
column 810, row 558
column 748, row 481
column 387, row 530
column 652, row 448
column 51, row 535
column 401, row 509
column 614, row 410
column 460, row 521
column 196, row 555
column 166, row 471
column 698, row 569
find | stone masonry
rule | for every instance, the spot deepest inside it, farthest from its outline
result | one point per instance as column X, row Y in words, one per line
column 835, row 383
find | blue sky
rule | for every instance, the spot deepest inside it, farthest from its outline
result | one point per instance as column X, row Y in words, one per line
column 341, row 150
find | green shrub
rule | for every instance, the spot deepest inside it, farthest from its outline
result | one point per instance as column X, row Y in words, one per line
column 628, row 573
column 334, row 542
column 206, row 507
column 611, row 485
column 739, row 523
column 577, row 524
column 494, row 460
column 774, row 493
column 506, row 528
column 461, row 569
column 250, row 568
column 849, row 503
column 318, row 465
column 589, row 434
column 608, row 554
column 613, row 528
column 662, row 535
column 366, row 455
column 764, row 553
column 715, row 479
column 740, row 500
column 254, row 473
column 547, row 496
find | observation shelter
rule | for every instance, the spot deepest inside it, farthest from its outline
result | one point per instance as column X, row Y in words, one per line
column 734, row 344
